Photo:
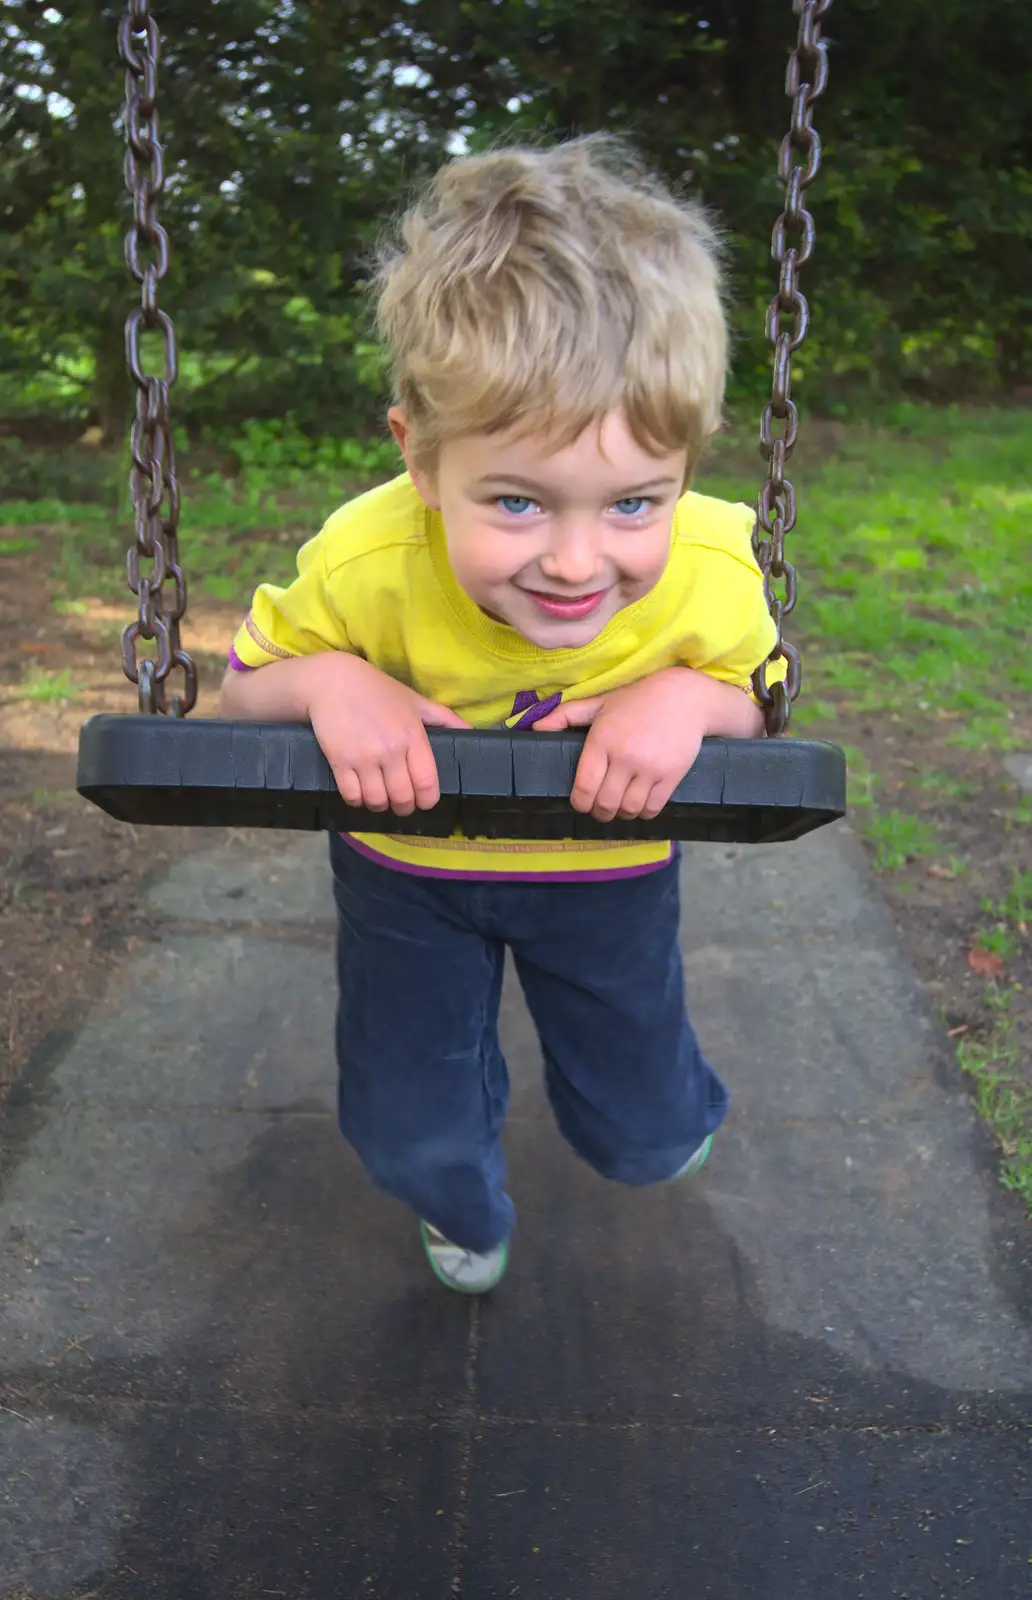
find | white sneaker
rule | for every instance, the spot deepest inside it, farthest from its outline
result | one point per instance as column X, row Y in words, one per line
column 460, row 1269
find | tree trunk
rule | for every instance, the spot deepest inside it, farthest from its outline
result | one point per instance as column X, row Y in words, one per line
column 112, row 385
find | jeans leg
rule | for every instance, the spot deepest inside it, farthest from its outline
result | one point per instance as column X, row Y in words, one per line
column 423, row 1085
column 603, row 976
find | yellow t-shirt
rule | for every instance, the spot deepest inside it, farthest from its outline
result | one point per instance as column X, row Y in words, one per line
column 377, row 581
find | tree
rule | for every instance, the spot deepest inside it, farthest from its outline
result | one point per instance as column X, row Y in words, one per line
column 294, row 127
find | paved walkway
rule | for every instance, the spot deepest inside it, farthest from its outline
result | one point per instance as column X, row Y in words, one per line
column 227, row 1371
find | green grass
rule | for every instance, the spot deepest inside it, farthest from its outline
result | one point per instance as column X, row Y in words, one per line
column 1016, row 904
column 49, row 687
column 937, row 785
column 1000, row 941
column 915, row 569
column 1012, row 919
column 899, row 837
column 913, row 551
column 1003, row 1099
column 862, row 784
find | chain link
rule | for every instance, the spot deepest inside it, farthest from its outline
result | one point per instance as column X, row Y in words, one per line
column 805, row 82
column 152, row 482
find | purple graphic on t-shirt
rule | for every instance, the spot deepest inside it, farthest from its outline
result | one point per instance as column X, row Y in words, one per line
column 530, row 709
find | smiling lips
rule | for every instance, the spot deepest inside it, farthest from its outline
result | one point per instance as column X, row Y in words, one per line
column 568, row 610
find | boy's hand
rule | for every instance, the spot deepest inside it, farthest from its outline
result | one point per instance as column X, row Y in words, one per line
column 372, row 731
column 645, row 738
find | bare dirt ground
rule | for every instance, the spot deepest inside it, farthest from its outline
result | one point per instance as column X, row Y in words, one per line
column 938, row 901
column 71, row 879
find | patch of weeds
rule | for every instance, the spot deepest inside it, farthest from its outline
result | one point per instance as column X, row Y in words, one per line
column 220, row 586
column 71, row 608
column 49, row 687
column 16, row 547
column 999, row 941
column 1020, row 816
column 1016, row 905
column 899, row 837
column 992, row 734
column 52, row 797
column 1003, row 1099
column 942, row 785
column 808, row 712
column 847, row 672
column 72, row 570
column 1011, row 915
column 861, row 782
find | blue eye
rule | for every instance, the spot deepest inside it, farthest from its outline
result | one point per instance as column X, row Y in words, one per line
column 514, row 504
column 633, row 506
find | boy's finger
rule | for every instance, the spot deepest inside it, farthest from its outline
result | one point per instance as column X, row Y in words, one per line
column 349, row 784
column 592, row 769
column 610, row 798
column 658, row 798
column 433, row 715
column 577, row 714
column 423, row 774
column 374, row 790
column 635, row 798
column 399, row 786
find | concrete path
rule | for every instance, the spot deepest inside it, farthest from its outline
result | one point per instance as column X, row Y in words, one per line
column 227, row 1371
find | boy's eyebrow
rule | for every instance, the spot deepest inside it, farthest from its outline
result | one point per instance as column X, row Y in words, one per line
column 537, row 488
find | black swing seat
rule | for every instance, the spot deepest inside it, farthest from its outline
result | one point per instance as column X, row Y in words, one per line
column 169, row 771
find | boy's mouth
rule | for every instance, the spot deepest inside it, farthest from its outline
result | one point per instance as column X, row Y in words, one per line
column 567, row 609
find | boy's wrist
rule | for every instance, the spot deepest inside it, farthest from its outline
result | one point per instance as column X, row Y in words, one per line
column 334, row 670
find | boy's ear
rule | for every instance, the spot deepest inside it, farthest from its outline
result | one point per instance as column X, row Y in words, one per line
column 398, row 422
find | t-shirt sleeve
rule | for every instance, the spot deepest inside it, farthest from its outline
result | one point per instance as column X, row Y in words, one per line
column 736, row 631
column 300, row 620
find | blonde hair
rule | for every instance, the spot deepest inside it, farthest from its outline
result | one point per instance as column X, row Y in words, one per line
column 536, row 289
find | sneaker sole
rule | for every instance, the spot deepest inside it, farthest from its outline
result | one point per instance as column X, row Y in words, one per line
column 462, row 1288
column 696, row 1162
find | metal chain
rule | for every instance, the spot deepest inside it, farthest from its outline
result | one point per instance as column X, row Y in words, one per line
column 152, row 482
column 805, row 82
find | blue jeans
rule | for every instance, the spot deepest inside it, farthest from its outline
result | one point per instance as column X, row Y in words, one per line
column 423, row 1084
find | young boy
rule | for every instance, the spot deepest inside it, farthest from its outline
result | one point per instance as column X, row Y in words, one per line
column 554, row 321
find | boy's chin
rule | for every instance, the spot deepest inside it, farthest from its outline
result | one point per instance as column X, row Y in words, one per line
column 556, row 635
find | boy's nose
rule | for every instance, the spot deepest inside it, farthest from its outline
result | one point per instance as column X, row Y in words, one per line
column 573, row 558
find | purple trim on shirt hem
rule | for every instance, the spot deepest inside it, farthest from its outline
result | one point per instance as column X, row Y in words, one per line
column 593, row 875
column 236, row 663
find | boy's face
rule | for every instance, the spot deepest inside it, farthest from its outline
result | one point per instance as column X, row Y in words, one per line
column 554, row 543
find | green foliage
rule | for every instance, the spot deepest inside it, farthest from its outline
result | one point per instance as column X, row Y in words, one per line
column 69, row 475
column 999, row 941
column 1016, row 905
column 942, row 785
column 48, row 686
column 915, row 580
column 1003, row 1097
column 279, row 454
column 294, row 131
column 898, row 837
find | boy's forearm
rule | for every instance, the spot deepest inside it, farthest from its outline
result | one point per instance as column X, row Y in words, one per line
column 726, row 712
column 282, row 691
